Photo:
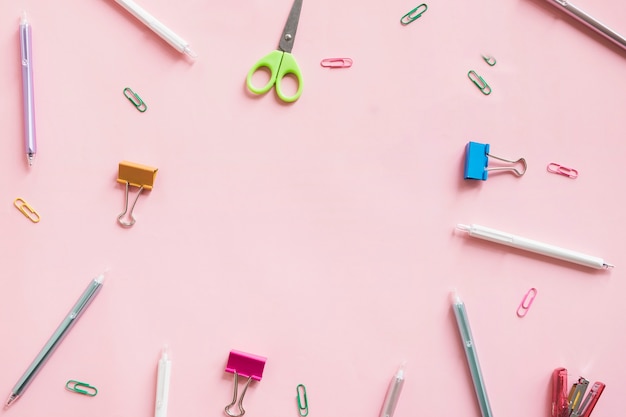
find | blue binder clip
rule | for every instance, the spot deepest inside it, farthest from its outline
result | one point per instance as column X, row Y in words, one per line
column 477, row 159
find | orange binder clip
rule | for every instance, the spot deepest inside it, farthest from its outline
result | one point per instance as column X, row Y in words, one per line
column 137, row 175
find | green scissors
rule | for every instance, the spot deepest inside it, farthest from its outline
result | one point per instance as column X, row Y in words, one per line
column 281, row 63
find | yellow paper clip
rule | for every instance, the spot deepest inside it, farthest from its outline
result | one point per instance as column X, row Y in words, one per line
column 137, row 175
column 26, row 210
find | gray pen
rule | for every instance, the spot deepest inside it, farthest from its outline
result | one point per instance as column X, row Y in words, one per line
column 56, row 338
column 591, row 22
column 470, row 353
column 30, row 137
column 393, row 394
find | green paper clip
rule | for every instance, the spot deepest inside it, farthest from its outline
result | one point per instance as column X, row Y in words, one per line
column 77, row 386
column 480, row 82
column 413, row 14
column 135, row 99
column 491, row 61
column 303, row 403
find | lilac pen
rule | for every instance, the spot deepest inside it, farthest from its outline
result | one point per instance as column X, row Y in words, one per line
column 30, row 139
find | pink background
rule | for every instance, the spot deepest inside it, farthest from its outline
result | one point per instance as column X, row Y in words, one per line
column 318, row 234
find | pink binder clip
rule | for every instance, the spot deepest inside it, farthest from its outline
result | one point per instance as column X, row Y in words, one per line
column 246, row 365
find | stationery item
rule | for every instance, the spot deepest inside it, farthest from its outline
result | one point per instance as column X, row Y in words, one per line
column 560, row 402
column 26, row 210
column 576, row 394
column 534, row 246
column 135, row 99
column 157, row 27
column 55, row 340
column 281, row 63
column 136, row 175
column 303, row 402
column 247, row 365
column 527, row 301
column 590, row 400
column 336, row 62
column 561, row 170
column 393, row 394
column 491, row 61
column 589, row 21
column 571, row 404
column 479, row 82
column 470, row 353
column 414, row 14
column 30, row 137
column 81, row 388
column 476, row 162
column 163, row 384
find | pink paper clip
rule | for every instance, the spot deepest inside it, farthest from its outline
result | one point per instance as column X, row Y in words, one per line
column 561, row 170
column 336, row 62
column 246, row 365
column 526, row 302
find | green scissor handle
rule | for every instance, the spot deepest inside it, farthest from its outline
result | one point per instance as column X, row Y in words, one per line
column 279, row 64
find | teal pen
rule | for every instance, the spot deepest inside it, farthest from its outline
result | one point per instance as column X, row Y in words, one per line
column 472, row 357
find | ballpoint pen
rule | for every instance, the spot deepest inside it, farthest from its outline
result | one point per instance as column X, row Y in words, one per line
column 590, row 22
column 534, row 246
column 470, row 352
column 393, row 394
column 56, row 338
column 30, row 139
column 157, row 27
column 163, row 385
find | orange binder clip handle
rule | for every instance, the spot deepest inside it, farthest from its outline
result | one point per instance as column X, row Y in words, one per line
column 136, row 175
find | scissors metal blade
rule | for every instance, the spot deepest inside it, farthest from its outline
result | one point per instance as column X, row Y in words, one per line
column 289, row 33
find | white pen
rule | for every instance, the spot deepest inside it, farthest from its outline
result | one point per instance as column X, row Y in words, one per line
column 534, row 246
column 393, row 394
column 163, row 384
column 30, row 137
column 157, row 27
column 590, row 22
